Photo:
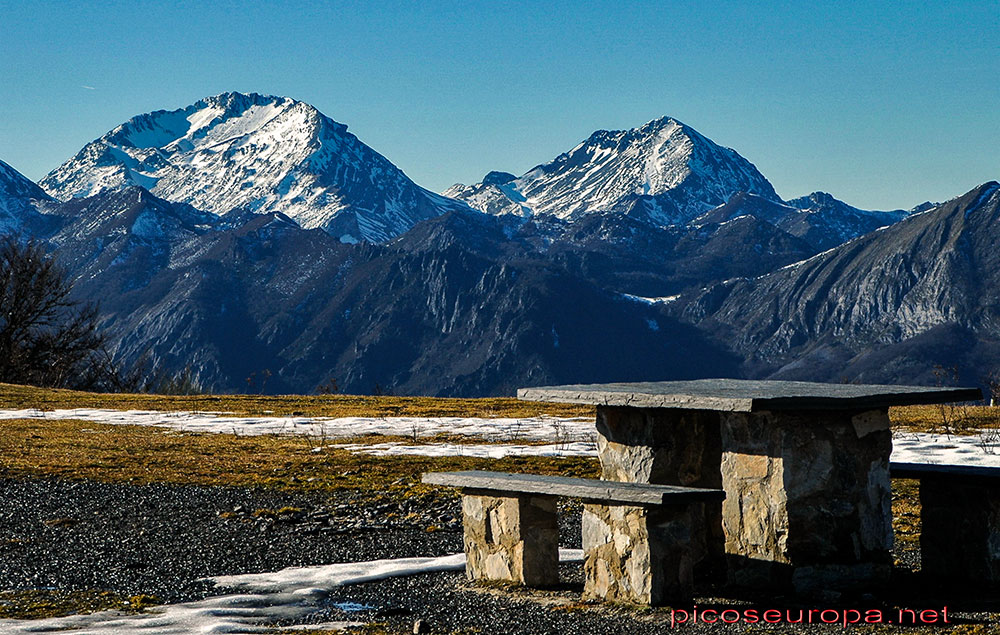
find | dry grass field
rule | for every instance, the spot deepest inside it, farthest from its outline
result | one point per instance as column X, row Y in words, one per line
column 20, row 397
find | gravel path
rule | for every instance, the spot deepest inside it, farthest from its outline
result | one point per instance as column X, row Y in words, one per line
column 160, row 540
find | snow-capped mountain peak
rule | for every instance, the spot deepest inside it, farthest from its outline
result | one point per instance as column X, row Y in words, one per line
column 259, row 152
column 664, row 167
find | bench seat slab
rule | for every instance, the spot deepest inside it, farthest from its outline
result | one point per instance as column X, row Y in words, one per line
column 595, row 490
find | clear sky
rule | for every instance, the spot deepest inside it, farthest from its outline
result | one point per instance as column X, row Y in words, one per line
column 883, row 104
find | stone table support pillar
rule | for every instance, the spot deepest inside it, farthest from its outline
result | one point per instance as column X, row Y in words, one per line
column 670, row 447
column 807, row 492
column 639, row 554
column 511, row 538
column 807, row 498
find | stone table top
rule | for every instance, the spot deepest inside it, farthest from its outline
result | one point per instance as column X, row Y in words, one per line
column 746, row 395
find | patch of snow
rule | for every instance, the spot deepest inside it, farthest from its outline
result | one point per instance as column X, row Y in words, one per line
column 506, row 435
column 983, row 198
column 479, row 451
column 922, row 447
column 541, row 428
column 654, row 300
column 291, row 594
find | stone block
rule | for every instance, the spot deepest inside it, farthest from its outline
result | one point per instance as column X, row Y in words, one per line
column 960, row 535
column 639, row 554
column 669, row 447
column 807, row 499
column 511, row 539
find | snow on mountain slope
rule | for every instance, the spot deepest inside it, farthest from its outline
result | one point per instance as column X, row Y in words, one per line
column 18, row 200
column 819, row 219
column 262, row 153
column 495, row 195
column 827, row 222
column 666, row 168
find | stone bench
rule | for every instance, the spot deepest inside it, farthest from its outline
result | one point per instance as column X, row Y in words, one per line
column 638, row 539
column 960, row 517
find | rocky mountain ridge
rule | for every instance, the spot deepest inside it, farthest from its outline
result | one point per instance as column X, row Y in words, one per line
column 257, row 303
column 256, row 152
column 889, row 306
column 255, row 242
column 819, row 219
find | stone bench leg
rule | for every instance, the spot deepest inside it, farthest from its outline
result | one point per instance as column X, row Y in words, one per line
column 638, row 554
column 960, row 535
column 511, row 538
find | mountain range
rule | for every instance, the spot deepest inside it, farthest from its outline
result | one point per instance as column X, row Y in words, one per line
column 664, row 172
column 899, row 305
column 256, row 152
column 256, row 243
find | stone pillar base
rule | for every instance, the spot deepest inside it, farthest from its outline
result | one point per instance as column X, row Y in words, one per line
column 511, row 538
column 640, row 555
column 960, row 538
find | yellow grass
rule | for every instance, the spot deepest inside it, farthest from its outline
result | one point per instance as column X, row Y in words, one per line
column 41, row 603
column 945, row 418
column 20, row 397
column 138, row 454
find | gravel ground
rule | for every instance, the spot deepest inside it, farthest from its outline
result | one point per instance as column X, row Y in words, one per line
column 160, row 540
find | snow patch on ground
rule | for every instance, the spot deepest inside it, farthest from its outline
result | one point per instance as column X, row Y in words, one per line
column 288, row 595
column 483, row 451
column 541, row 428
column 503, row 436
column 921, row 447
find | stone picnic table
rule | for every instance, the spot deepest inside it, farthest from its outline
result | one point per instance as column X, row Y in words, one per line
column 804, row 467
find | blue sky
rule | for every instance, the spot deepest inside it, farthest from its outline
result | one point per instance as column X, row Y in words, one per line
column 882, row 104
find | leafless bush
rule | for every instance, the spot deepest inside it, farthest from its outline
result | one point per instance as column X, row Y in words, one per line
column 47, row 338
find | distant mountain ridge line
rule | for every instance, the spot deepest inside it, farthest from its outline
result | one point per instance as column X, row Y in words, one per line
column 531, row 280
column 664, row 171
column 885, row 304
